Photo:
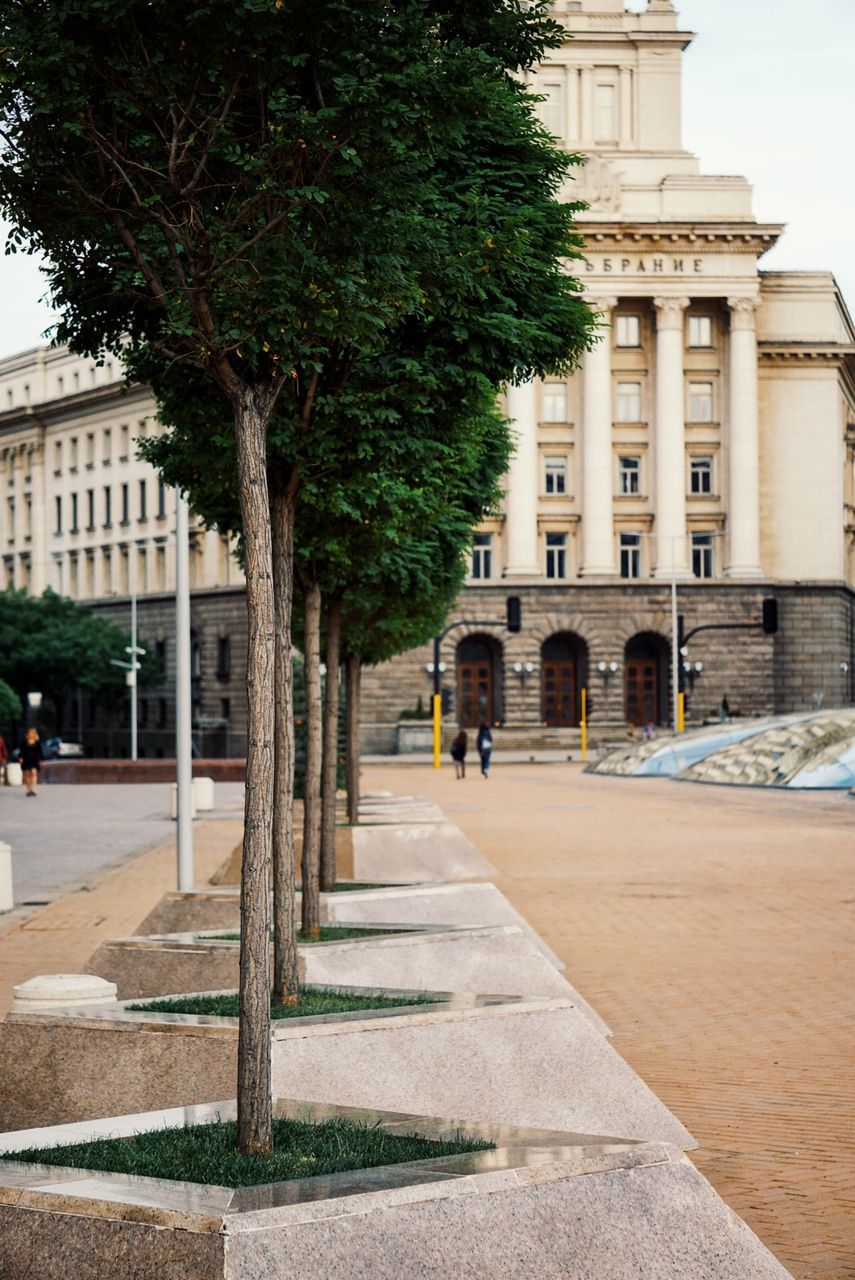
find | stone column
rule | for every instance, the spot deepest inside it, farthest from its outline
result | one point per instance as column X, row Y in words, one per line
column 598, row 542
column 521, row 500
column 672, row 554
column 38, row 543
column 744, row 507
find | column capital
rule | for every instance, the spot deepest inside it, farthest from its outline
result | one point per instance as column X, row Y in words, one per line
column 742, row 312
column 602, row 305
column 669, row 312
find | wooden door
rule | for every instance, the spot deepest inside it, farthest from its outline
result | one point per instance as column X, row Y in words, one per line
column 559, row 693
column 642, row 691
column 475, row 693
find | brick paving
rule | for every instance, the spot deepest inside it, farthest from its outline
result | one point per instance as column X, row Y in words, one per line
column 712, row 928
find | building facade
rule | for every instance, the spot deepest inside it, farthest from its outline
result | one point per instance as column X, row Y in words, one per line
column 707, row 440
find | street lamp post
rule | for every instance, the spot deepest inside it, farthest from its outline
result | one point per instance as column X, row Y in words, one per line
column 183, row 697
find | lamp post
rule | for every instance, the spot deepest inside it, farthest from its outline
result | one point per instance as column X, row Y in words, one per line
column 183, row 697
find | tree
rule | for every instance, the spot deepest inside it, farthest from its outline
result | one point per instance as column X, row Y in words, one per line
column 247, row 189
column 10, row 704
column 54, row 645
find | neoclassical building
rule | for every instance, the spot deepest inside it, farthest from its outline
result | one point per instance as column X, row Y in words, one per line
column 708, row 439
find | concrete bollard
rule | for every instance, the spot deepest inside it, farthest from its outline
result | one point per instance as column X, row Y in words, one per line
column 14, row 774
column 203, row 793
column 173, row 802
column 50, row 990
column 7, row 901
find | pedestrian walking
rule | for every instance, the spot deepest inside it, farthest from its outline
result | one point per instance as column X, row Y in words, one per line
column 484, row 743
column 459, row 747
column 31, row 761
column 4, row 759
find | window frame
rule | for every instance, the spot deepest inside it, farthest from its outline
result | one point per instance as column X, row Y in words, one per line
column 481, row 563
column 691, row 396
column 557, row 389
column 699, row 473
column 555, row 555
column 621, row 395
column 632, row 552
column 622, row 320
column 627, row 474
column 705, row 553
column 699, row 320
column 555, row 475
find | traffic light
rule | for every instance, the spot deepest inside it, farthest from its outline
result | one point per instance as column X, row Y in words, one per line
column 447, row 702
column 514, row 614
column 770, row 616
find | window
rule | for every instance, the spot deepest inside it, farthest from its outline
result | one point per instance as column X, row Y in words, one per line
column 108, row 507
column 90, row 509
column 605, row 115
column 125, row 505
column 60, row 385
column 629, row 402
column 702, row 555
column 10, row 519
column 124, row 574
column 107, row 570
column 90, row 449
column 555, row 474
column 57, row 503
column 628, row 331
column 107, row 447
column 556, row 555
column 142, row 569
column 72, row 444
column 142, row 500
column 630, row 555
column 90, row 573
column 73, row 579
column 143, row 712
column 554, row 402
column 124, row 433
column 76, row 379
column 161, row 500
column 196, row 659
column 700, row 472
column 226, row 709
column 700, row 402
column 482, row 555
column 28, row 516
column 700, row 331
column 161, row 713
column 160, row 568
column 552, row 108
column 74, row 528
column 629, row 470
column 93, row 375
column 224, row 658
column 160, row 657
column 57, row 458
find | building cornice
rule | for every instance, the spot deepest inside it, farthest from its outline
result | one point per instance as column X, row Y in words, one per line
column 693, row 237
column 52, row 412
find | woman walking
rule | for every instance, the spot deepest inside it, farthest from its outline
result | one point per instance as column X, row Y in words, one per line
column 459, row 747
column 31, row 761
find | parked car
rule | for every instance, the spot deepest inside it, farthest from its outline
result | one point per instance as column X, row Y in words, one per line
column 59, row 749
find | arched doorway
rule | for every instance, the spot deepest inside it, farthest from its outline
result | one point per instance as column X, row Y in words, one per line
column 478, row 659
column 646, row 661
column 564, row 673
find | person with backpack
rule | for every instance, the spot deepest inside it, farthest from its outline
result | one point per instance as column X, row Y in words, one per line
column 484, row 743
column 459, row 747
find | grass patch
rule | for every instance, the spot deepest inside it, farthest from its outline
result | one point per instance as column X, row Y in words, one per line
column 329, row 933
column 205, row 1153
column 339, row 887
column 313, row 1002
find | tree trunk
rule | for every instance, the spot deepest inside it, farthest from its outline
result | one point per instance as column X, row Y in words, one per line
column 311, row 923
column 286, row 984
column 254, row 1084
column 353, row 680
column 330, row 766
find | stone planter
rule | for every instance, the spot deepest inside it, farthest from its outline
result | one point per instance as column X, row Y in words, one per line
column 414, row 737
column 471, row 904
column 492, row 1058
column 414, row 852
column 499, row 958
column 542, row 1204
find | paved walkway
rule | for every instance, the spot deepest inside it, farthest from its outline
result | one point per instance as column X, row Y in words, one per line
column 712, row 929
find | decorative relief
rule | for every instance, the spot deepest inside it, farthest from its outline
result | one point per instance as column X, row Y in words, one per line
column 598, row 185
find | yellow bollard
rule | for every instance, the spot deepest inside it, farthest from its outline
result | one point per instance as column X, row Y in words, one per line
column 437, row 730
column 681, row 712
column 583, row 725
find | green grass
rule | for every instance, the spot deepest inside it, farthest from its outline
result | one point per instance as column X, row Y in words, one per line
column 205, row 1153
column 329, row 933
column 313, row 1002
column 340, row 887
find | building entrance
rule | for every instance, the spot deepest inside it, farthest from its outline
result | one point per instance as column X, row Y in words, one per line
column 563, row 660
column 476, row 682
column 646, row 668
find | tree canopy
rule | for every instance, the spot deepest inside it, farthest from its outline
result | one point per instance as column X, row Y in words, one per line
column 10, row 704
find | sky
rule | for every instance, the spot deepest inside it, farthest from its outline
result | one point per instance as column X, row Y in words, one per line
column 768, row 93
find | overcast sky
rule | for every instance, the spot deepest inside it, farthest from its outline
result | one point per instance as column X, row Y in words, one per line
column 767, row 93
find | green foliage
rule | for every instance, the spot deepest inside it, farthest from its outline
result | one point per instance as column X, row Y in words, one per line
column 51, row 644
column 10, row 704
column 205, row 1153
column 313, row 1003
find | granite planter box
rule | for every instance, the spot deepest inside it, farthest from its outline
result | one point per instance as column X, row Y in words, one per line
column 492, row 1058
column 478, row 903
column 501, row 959
column 542, row 1204
column 409, row 849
